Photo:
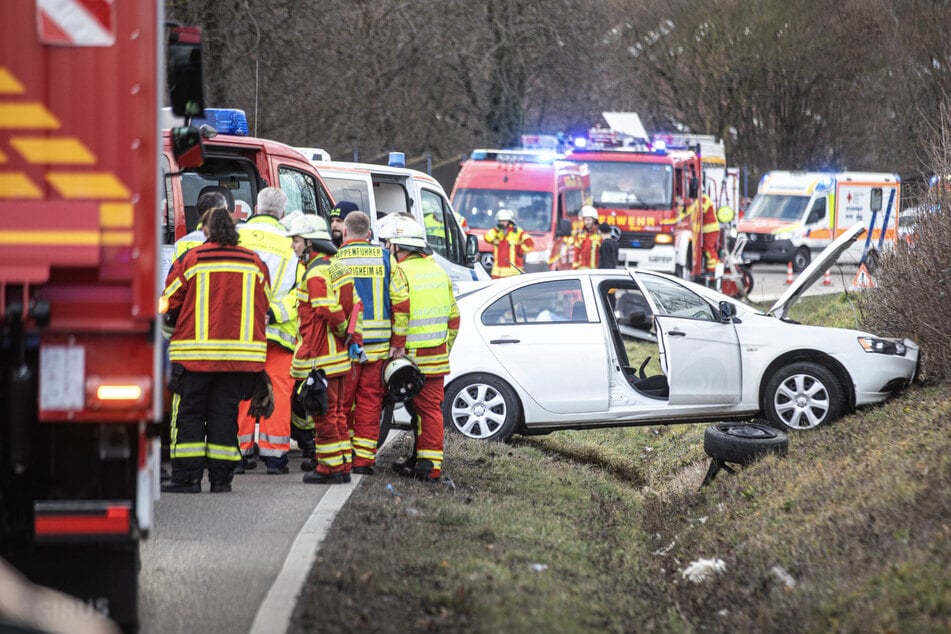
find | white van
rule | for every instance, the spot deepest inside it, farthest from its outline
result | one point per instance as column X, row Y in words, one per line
column 379, row 190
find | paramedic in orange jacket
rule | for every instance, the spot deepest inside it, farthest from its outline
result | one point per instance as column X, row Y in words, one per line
column 425, row 324
column 328, row 319
column 217, row 299
column 588, row 240
column 509, row 245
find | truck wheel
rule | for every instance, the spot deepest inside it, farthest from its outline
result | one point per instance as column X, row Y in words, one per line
column 743, row 443
column 747, row 278
column 801, row 259
column 486, row 259
column 802, row 395
column 481, row 406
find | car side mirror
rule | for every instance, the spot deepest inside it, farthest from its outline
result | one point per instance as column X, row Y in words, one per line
column 187, row 147
column 472, row 249
column 564, row 228
column 727, row 312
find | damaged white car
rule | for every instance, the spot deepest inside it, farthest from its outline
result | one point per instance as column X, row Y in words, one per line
column 546, row 351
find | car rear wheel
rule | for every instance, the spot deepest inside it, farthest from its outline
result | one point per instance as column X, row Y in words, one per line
column 803, row 395
column 481, row 406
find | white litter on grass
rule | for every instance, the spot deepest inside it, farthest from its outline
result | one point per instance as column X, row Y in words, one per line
column 660, row 552
column 538, row 567
column 702, row 569
column 780, row 573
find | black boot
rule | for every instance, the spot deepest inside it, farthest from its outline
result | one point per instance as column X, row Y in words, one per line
column 405, row 465
column 308, row 451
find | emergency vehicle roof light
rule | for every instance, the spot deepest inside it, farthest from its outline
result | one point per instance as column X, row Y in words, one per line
column 581, row 142
column 396, row 159
column 825, row 182
column 225, row 120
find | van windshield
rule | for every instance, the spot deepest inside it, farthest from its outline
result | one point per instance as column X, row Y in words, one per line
column 533, row 210
column 777, row 207
column 628, row 185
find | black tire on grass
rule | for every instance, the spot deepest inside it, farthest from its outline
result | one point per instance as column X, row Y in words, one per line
column 742, row 443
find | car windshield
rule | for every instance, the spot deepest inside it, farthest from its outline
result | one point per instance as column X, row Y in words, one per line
column 533, row 210
column 631, row 185
column 777, row 207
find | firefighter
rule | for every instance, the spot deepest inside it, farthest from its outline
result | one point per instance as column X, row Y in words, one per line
column 587, row 240
column 710, row 228
column 216, row 298
column 210, row 197
column 509, row 245
column 328, row 313
column 337, row 216
column 263, row 234
column 369, row 264
column 425, row 323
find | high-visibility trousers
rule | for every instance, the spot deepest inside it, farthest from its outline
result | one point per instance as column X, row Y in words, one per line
column 426, row 411
column 330, row 431
column 203, row 429
column 274, row 433
column 365, row 391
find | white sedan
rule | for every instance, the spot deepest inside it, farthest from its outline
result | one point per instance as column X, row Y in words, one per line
column 546, row 351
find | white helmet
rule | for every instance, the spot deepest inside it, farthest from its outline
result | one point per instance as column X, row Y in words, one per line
column 313, row 228
column 402, row 378
column 403, row 231
column 505, row 214
column 289, row 219
column 588, row 212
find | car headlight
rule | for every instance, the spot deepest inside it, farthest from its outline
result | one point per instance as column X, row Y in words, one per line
column 783, row 235
column 882, row 346
column 536, row 257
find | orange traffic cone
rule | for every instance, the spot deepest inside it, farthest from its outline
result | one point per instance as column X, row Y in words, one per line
column 789, row 272
column 827, row 279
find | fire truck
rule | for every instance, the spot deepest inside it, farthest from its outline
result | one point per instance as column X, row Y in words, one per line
column 647, row 190
column 544, row 191
column 81, row 354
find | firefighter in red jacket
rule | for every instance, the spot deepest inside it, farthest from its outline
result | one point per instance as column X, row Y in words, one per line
column 710, row 229
column 587, row 240
column 216, row 299
column 328, row 312
column 425, row 324
column 509, row 245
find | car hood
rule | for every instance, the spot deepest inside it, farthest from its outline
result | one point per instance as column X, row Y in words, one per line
column 816, row 269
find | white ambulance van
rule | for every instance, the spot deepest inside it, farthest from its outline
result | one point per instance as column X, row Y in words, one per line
column 797, row 214
column 379, row 190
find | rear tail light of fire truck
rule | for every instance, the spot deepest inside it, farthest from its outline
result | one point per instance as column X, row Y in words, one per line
column 107, row 392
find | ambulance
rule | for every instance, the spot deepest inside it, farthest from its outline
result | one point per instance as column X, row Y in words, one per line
column 545, row 192
column 797, row 214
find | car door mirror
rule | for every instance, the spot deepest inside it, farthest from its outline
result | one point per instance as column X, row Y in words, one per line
column 727, row 312
column 472, row 249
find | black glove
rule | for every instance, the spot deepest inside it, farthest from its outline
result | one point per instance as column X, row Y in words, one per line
column 262, row 397
column 312, row 393
column 270, row 316
column 175, row 378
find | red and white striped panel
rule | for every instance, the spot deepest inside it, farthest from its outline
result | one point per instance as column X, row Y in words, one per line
column 76, row 22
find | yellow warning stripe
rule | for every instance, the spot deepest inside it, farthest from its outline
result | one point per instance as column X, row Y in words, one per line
column 18, row 185
column 31, row 116
column 116, row 238
column 3, row 157
column 115, row 215
column 47, row 238
column 87, row 185
column 65, row 151
column 9, row 85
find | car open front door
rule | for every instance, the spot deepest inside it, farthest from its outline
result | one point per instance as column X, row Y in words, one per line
column 699, row 353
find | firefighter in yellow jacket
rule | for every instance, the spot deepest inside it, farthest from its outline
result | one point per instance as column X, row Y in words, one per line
column 509, row 243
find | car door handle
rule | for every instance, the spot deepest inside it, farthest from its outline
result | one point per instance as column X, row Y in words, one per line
column 677, row 333
column 503, row 341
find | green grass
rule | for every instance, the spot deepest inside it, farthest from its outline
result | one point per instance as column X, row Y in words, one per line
column 589, row 531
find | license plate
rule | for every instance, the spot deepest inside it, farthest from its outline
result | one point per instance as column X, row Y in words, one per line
column 751, row 256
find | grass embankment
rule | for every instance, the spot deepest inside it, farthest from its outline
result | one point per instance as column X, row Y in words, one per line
column 591, row 530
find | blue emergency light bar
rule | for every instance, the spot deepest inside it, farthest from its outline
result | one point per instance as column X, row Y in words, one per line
column 224, row 120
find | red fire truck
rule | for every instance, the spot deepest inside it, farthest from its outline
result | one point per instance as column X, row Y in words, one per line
column 81, row 354
column 647, row 190
column 544, row 191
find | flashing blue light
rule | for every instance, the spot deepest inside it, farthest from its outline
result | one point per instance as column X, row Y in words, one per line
column 825, row 182
column 581, row 142
column 224, row 121
column 660, row 145
column 397, row 159
column 933, row 181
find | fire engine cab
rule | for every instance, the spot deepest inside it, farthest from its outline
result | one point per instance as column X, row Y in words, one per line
column 646, row 189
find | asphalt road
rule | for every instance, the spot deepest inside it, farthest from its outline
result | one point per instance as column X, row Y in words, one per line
column 769, row 281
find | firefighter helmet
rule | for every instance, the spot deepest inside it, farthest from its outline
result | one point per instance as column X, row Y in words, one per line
column 505, row 215
column 402, row 378
column 313, row 228
column 725, row 214
column 588, row 212
column 404, row 232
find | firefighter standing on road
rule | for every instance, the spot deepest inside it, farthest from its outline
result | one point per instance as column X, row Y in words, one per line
column 216, row 298
column 264, row 235
column 509, row 245
column 327, row 306
column 425, row 323
column 369, row 265
column 587, row 240
column 710, row 228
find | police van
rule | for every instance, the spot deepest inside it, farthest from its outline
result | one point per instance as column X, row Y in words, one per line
column 380, row 190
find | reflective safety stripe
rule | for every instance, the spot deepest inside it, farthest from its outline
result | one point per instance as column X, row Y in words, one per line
column 364, row 447
column 710, row 227
column 432, row 455
column 305, row 423
column 188, row 450
column 223, row 452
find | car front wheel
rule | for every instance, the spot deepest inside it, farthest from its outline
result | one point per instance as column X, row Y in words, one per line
column 481, row 406
column 803, row 395
column 801, row 259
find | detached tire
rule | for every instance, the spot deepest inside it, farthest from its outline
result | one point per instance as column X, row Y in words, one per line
column 743, row 443
column 481, row 406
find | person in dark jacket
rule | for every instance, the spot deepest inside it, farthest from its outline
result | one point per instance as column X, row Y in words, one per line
column 607, row 252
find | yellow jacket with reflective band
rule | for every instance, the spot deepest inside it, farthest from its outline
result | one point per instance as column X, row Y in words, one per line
column 264, row 235
column 369, row 265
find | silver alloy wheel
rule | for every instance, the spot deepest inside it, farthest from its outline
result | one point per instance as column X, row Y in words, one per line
column 801, row 401
column 478, row 411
